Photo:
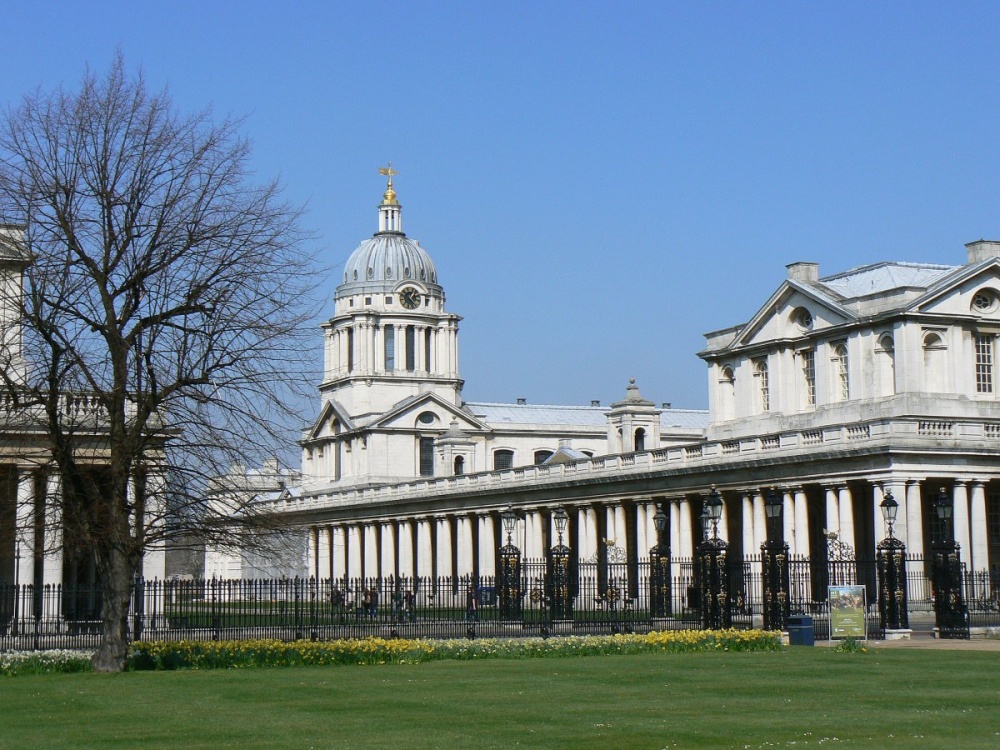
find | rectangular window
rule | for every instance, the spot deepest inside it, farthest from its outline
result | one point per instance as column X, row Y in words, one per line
column 390, row 348
column 841, row 372
column 427, row 350
column 411, row 349
column 426, row 457
column 809, row 376
column 503, row 460
column 350, row 350
column 984, row 364
column 763, row 384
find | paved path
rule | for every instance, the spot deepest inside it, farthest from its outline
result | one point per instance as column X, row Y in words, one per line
column 925, row 642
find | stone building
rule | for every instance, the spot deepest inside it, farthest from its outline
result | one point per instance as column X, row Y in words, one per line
column 839, row 389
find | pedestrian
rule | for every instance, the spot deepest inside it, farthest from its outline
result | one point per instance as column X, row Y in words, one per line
column 471, row 604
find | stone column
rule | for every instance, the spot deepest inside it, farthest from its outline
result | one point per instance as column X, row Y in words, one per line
column 621, row 528
column 24, row 534
column 322, row 566
column 759, row 521
column 355, row 569
column 961, row 521
column 788, row 520
column 425, row 549
column 465, row 547
column 339, row 563
column 371, row 550
column 52, row 563
column 405, row 542
column 444, row 568
column 878, row 495
column 832, row 510
column 312, row 551
column 801, row 522
column 652, row 536
column 724, row 518
column 846, row 506
column 487, row 546
column 154, row 559
column 641, row 533
column 676, row 546
column 749, row 548
column 914, row 522
column 687, row 536
column 980, row 541
column 589, row 516
column 387, row 545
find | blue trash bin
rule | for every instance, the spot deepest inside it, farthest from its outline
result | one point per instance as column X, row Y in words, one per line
column 801, row 631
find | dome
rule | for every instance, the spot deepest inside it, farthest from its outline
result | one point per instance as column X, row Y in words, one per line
column 386, row 261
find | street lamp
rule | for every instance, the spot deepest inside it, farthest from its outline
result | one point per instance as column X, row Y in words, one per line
column 890, row 559
column 950, row 614
column 659, row 568
column 774, row 565
column 560, row 583
column 509, row 583
column 713, row 569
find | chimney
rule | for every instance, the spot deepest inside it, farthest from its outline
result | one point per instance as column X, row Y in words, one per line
column 522, row 401
column 665, row 405
column 808, row 273
column 595, row 402
column 983, row 249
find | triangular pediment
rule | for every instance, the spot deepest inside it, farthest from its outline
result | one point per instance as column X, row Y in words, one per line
column 427, row 411
column 333, row 419
column 965, row 293
column 783, row 316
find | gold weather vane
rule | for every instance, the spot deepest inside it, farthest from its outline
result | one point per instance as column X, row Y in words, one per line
column 388, row 172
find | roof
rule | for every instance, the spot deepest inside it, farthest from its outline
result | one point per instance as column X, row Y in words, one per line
column 882, row 277
column 575, row 416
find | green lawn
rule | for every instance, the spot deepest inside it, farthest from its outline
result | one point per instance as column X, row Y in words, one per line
column 796, row 698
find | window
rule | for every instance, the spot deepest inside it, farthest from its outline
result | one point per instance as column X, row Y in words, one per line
column 984, row 363
column 411, row 349
column 640, row 439
column 390, row 348
column 934, row 362
column 427, row 349
column 727, row 394
column 809, row 375
column 350, row 350
column 763, row 385
column 886, row 356
column 503, row 460
column 542, row 456
column 459, row 466
column 841, row 374
column 426, row 417
column 426, row 457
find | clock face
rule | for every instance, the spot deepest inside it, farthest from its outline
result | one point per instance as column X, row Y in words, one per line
column 409, row 298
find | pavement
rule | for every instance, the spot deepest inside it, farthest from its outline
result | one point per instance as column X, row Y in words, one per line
column 923, row 641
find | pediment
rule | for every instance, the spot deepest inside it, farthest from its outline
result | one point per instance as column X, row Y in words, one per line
column 793, row 311
column 430, row 412
column 332, row 420
column 973, row 291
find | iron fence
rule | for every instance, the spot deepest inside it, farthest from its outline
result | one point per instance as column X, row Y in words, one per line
column 581, row 598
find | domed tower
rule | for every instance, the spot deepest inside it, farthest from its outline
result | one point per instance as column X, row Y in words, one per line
column 388, row 342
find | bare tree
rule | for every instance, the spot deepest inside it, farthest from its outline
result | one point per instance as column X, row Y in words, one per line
column 163, row 311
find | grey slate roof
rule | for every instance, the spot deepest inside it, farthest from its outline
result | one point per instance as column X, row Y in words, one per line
column 576, row 416
column 882, row 277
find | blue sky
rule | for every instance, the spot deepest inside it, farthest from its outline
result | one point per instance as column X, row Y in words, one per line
column 598, row 183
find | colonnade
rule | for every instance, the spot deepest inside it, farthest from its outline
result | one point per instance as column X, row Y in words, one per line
column 435, row 348
column 459, row 544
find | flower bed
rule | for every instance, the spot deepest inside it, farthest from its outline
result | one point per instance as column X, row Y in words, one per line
column 44, row 662
column 270, row 653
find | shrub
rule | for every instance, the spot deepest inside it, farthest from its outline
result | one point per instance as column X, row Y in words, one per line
column 44, row 662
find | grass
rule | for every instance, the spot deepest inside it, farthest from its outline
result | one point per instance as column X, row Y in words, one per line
column 799, row 697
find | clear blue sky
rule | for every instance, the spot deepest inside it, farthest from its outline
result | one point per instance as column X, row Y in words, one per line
column 599, row 183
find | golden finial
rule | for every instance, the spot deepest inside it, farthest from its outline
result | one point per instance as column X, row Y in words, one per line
column 390, row 195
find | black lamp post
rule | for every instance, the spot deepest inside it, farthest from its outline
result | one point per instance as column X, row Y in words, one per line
column 713, row 568
column 659, row 569
column 509, row 583
column 560, row 589
column 891, row 564
column 774, row 565
column 950, row 613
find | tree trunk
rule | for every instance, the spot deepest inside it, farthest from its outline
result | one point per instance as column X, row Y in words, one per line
column 112, row 654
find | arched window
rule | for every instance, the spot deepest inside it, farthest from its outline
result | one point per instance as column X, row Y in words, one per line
column 984, row 362
column 640, row 439
column 459, row 466
column 542, row 456
column 886, row 357
column 841, row 373
column 935, row 352
column 503, row 459
column 727, row 394
column 763, row 385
